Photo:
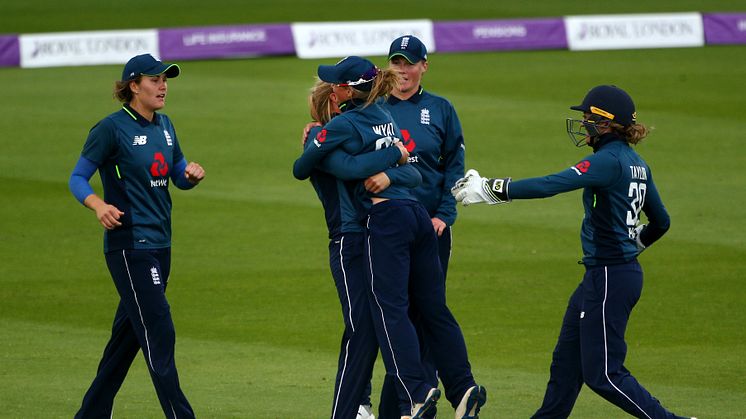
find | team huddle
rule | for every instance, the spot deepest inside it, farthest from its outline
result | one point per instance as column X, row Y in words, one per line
column 386, row 159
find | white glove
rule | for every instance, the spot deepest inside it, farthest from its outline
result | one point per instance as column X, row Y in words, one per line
column 474, row 189
column 638, row 230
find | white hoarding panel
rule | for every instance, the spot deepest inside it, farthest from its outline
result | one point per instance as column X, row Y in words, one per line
column 340, row 39
column 635, row 31
column 86, row 48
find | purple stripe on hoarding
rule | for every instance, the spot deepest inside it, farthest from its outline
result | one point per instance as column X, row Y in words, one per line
column 10, row 52
column 225, row 41
column 724, row 28
column 491, row 35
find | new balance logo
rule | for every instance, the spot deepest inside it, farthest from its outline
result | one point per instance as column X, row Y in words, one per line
column 159, row 183
column 140, row 140
column 155, row 276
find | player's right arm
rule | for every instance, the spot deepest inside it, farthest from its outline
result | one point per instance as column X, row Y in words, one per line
column 404, row 175
column 345, row 166
column 597, row 170
column 594, row 170
column 98, row 146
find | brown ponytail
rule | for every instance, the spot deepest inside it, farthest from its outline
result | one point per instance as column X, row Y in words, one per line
column 633, row 133
column 122, row 91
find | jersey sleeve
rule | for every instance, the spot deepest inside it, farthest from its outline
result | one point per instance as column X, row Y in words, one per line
column 452, row 159
column 658, row 219
column 101, row 142
column 178, row 177
column 329, row 138
column 405, row 175
column 79, row 179
column 597, row 170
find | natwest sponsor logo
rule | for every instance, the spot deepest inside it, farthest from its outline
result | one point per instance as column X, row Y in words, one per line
column 581, row 167
column 159, row 167
column 407, row 140
column 635, row 31
column 159, row 183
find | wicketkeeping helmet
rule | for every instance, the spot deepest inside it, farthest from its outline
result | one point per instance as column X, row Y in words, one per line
column 609, row 102
column 603, row 102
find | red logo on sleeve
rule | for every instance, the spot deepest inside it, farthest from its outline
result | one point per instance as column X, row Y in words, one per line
column 583, row 166
column 321, row 136
column 408, row 141
column 159, row 166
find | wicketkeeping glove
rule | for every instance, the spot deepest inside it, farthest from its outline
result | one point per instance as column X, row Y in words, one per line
column 474, row 189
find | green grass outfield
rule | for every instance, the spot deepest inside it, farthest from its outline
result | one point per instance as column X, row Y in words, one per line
column 257, row 317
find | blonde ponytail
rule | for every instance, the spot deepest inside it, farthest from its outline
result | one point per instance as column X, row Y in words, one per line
column 319, row 102
column 384, row 82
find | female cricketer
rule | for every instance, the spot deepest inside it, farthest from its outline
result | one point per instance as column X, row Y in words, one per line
column 136, row 152
column 617, row 186
column 332, row 179
column 401, row 249
column 431, row 129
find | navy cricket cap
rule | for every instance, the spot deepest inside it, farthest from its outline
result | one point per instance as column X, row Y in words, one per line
column 409, row 47
column 146, row 65
column 350, row 71
column 609, row 102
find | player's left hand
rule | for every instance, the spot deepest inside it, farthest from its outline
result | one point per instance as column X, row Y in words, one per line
column 307, row 129
column 377, row 183
column 474, row 189
column 438, row 225
column 194, row 173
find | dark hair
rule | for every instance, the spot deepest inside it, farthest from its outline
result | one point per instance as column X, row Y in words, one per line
column 122, row 91
column 384, row 82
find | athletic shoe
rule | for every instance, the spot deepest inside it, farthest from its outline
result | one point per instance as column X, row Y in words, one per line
column 365, row 412
column 473, row 400
column 420, row 409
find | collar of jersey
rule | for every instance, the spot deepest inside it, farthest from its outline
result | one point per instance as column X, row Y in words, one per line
column 350, row 105
column 605, row 139
column 139, row 118
column 415, row 98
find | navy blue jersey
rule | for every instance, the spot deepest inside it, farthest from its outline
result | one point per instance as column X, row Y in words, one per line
column 357, row 130
column 617, row 185
column 135, row 158
column 432, row 131
column 337, row 177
